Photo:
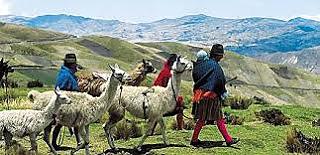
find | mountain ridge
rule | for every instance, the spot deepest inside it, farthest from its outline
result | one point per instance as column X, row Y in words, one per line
column 248, row 36
column 200, row 28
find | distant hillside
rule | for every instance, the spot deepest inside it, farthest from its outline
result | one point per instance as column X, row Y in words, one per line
column 249, row 36
column 10, row 33
column 307, row 59
column 255, row 78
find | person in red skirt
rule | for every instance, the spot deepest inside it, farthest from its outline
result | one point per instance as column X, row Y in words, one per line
column 209, row 90
column 162, row 80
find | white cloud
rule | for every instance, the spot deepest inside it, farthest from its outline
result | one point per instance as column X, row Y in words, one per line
column 4, row 7
column 315, row 17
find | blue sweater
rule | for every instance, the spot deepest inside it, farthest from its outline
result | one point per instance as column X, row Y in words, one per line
column 209, row 76
column 66, row 80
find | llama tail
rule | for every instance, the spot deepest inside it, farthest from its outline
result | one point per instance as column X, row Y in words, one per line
column 32, row 95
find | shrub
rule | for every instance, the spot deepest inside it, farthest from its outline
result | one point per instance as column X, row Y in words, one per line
column 17, row 148
column 36, row 83
column 260, row 100
column 238, row 102
column 126, row 129
column 233, row 119
column 297, row 142
column 274, row 116
column 188, row 124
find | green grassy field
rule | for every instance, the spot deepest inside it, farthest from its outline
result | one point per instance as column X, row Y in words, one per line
column 256, row 136
column 11, row 32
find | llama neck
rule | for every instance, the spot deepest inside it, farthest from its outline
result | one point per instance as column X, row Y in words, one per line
column 52, row 107
column 109, row 92
column 174, row 84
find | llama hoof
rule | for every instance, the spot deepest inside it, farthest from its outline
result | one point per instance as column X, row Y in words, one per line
column 139, row 148
column 56, row 147
column 54, row 153
column 115, row 149
column 81, row 146
column 32, row 152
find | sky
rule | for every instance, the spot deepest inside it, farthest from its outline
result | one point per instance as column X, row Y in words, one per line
column 138, row 11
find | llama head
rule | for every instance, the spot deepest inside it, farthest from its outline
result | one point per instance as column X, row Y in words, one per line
column 181, row 65
column 148, row 67
column 119, row 74
column 62, row 97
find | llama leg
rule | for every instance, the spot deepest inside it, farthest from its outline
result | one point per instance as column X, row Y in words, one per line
column 107, row 129
column 70, row 131
column 83, row 136
column 7, row 138
column 163, row 131
column 46, row 138
column 55, row 135
column 87, row 140
column 33, row 141
column 115, row 117
column 144, row 137
column 76, row 133
column 153, row 128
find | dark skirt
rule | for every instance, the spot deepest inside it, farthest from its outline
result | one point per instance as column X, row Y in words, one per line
column 208, row 110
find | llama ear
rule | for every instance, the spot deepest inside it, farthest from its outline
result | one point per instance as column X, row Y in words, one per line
column 95, row 74
column 144, row 61
column 116, row 66
column 112, row 68
column 1, row 62
column 57, row 91
column 99, row 75
column 178, row 58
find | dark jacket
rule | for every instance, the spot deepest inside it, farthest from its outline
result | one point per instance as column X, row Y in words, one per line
column 209, row 76
column 66, row 80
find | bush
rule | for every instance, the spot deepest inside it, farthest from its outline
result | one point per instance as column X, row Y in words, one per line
column 17, row 148
column 126, row 129
column 297, row 142
column 233, row 119
column 274, row 116
column 238, row 102
column 188, row 124
column 260, row 100
column 36, row 83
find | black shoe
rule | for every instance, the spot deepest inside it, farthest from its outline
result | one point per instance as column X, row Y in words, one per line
column 196, row 143
column 233, row 141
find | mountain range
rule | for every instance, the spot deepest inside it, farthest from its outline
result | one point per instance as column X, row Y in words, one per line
column 256, row 37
